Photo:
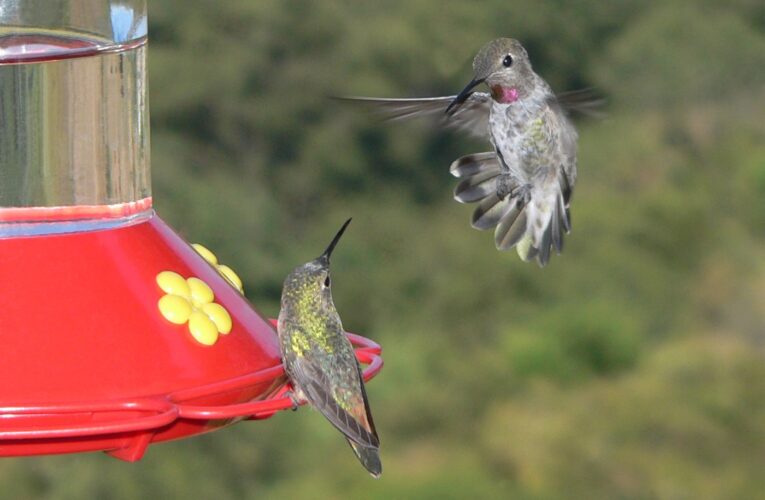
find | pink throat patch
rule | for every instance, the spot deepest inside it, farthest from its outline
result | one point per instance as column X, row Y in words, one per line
column 505, row 95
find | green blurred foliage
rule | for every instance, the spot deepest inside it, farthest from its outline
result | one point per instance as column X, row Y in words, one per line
column 631, row 367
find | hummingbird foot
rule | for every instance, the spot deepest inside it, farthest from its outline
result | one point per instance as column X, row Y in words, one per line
column 296, row 401
column 522, row 195
column 504, row 186
column 508, row 186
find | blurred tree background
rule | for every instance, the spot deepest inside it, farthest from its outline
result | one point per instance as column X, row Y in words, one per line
column 631, row 367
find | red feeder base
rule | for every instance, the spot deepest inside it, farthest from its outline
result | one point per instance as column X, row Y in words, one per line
column 90, row 364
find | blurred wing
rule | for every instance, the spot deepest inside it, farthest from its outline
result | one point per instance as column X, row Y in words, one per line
column 586, row 102
column 356, row 425
column 472, row 116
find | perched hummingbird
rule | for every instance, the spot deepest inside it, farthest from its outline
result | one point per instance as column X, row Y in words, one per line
column 320, row 360
column 524, row 186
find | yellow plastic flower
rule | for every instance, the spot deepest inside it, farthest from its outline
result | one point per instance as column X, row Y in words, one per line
column 191, row 300
column 223, row 269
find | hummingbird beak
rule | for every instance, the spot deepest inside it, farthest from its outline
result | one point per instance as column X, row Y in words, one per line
column 325, row 256
column 462, row 96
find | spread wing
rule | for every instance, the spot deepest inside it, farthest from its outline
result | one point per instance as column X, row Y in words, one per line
column 472, row 116
column 356, row 422
column 587, row 102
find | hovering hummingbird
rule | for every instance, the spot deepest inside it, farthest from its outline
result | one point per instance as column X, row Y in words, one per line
column 523, row 187
column 320, row 360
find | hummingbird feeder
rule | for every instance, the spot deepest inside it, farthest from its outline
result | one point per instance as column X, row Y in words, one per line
column 116, row 333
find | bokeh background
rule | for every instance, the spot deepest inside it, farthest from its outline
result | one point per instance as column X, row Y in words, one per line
column 633, row 366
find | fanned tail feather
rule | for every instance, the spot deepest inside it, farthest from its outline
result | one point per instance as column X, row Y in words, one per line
column 535, row 229
column 476, row 187
column 547, row 224
column 470, row 165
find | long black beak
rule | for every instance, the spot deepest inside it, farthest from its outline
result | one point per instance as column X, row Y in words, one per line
column 462, row 96
column 325, row 256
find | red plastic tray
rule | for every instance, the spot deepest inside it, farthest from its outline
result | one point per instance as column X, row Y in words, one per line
column 91, row 365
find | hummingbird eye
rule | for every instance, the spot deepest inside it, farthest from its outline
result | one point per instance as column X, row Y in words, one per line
column 326, row 282
column 507, row 61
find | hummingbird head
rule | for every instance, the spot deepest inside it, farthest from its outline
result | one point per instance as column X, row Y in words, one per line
column 310, row 283
column 504, row 66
